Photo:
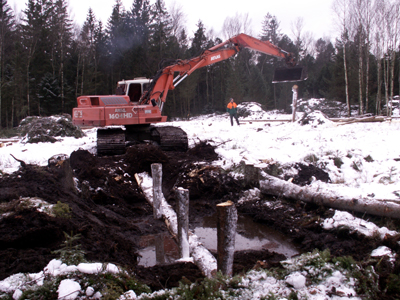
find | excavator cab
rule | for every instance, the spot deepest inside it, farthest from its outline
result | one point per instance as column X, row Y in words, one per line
column 290, row 74
column 133, row 88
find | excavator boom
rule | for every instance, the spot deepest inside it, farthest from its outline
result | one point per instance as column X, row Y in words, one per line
column 165, row 80
column 138, row 103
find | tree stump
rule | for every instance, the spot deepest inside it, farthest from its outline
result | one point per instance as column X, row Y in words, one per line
column 183, row 221
column 156, row 174
column 61, row 168
column 252, row 176
column 226, row 231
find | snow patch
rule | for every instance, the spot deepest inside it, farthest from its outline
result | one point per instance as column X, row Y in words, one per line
column 345, row 219
column 68, row 289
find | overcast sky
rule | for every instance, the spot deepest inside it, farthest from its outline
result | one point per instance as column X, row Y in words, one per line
column 317, row 14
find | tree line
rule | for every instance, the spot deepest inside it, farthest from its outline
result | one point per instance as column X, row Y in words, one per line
column 46, row 61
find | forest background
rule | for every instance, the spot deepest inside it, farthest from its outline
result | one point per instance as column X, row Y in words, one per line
column 46, row 61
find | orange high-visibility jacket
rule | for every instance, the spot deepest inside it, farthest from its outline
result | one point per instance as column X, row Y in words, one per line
column 231, row 108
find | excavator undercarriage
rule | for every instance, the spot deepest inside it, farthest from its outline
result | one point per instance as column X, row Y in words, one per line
column 113, row 141
column 139, row 102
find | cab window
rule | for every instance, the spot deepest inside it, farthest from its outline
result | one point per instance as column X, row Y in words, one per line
column 135, row 91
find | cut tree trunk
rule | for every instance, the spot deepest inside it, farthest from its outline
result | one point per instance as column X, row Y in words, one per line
column 156, row 173
column 226, row 232
column 183, row 221
column 331, row 198
column 252, row 175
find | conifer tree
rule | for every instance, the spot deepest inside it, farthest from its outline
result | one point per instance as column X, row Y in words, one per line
column 35, row 39
column 7, row 30
column 87, row 55
column 161, row 33
column 117, row 28
column 137, row 57
column 61, row 30
column 139, row 18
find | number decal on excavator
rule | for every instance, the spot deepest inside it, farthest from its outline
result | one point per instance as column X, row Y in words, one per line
column 120, row 116
column 78, row 114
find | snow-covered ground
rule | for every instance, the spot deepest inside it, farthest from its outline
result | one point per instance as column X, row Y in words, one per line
column 369, row 166
column 367, row 150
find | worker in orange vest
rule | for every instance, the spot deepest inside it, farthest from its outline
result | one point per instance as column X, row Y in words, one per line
column 231, row 108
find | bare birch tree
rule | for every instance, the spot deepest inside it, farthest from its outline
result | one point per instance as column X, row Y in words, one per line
column 369, row 18
column 341, row 9
column 377, row 49
column 395, row 11
column 178, row 19
column 237, row 24
column 297, row 28
column 303, row 40
column 390, row 28
column 357, row 13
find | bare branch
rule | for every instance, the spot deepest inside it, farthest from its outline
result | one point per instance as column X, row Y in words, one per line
column 178, row 18
column 236, row 25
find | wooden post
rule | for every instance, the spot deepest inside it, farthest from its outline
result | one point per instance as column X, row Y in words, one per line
column 183, row 221
column 251, row 176
column 294, row 102
column 156, row 174
column 226, row 231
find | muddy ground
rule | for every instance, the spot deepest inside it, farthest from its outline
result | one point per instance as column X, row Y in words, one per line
column 110, row 213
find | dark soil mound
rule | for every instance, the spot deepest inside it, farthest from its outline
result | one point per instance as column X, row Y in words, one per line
column 300, row 222
column 203, row 151
column 46, row 129
column 307, row 173
column 110, row 213
column 107, row 208
column 140, row 158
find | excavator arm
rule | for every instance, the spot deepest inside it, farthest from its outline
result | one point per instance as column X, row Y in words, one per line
column 137, row 114
column 165, row 80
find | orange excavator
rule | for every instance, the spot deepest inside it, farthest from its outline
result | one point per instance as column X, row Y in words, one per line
column 138, row 103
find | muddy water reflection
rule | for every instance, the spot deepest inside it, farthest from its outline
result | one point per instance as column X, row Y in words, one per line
column 250, row 235
column 158, row 249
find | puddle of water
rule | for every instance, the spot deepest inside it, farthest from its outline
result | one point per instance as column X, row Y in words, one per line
column 250, row 235
column 157, row 249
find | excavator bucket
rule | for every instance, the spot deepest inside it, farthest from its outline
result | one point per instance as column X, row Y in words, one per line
column 289, row 75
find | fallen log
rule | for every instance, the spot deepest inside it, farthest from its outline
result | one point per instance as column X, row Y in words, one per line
column 331, row 198
column 266, row 121
column 345, row 121
column 206, row 262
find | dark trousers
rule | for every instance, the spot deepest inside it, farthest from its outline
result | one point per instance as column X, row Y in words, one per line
column 236, row 118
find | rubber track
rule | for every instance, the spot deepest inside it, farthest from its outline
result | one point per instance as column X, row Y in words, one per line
column 170, row 138
column 110, row 141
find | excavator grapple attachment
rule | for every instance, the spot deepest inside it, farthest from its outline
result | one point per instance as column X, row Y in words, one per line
column 289, row 75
